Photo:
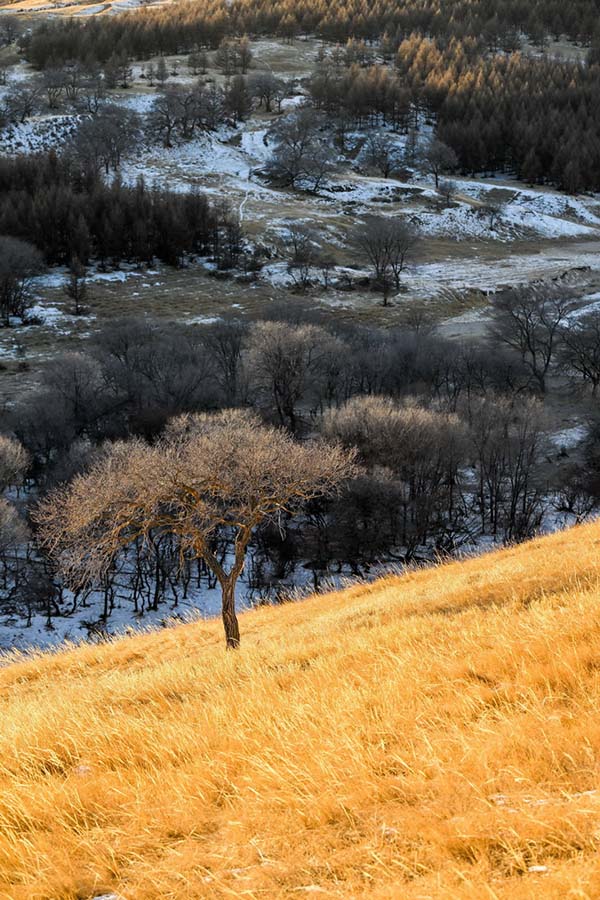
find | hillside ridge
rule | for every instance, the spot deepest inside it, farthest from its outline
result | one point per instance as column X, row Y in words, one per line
column 434, row 734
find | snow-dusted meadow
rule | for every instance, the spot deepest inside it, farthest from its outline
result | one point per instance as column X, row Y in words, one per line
column 463, row 255
column 539, row 232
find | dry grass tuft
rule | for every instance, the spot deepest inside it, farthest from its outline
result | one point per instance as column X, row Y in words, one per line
column 432, row 736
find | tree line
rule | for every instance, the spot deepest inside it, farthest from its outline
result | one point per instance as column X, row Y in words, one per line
column 188, row 26
column 67, row 209
column 534, row 118
column 537, row 118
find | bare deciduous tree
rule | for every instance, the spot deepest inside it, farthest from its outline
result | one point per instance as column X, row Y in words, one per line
column 207, row 476
column 22, row 100
column 92, row 92
column 225, row 57
column 238, row 101
column 301, row 156
column 301, row 247
column 54, row 82
column 580, row 348
column 75, row 287
column 224, row 341
column 198, row 62
column 267, row 89
column 492, row 209
column 448, row 190
column 14, row 461
column 387, row 244
column 164, row 115
column 437, row 158
column 287, row 365
column 20, row 262
column 14, row 534
column 234, row 55
column 529, row 320
column 381, row 152
column 423, row 448
column 10, row 30
column 104, row 139
column 507, row 436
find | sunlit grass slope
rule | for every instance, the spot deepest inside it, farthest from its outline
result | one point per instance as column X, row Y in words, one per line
column 436, row 735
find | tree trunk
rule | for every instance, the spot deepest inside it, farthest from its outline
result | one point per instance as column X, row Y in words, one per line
column 230, row 622
column 386, row 290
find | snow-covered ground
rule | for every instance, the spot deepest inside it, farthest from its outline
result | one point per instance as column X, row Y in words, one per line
column 15, row 634
column 480, row 273
column 589, row 304
column 202, row 602
column 516, row 221
column 228, row 164
column 569, row 438
column 37, row 135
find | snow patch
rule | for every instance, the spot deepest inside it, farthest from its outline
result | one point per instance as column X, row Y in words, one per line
column 204, row 320
column 569, row 438
column 37, row 135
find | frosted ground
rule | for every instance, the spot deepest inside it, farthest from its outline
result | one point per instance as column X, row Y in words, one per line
column 540, row 233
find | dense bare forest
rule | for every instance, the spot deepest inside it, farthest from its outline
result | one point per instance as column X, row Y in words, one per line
column 452, row 442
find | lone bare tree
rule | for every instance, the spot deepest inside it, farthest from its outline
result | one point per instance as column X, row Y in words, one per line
column 20, row 262
column 492, row 210
column 580, row 348
column 267, row 89
column 301, row 247
column 387, row 244
column 288, row 366
column 448, row 190
column 437, row 158
column 302, row 155
column 75, row 287
column 382, row 154
column 209, row 477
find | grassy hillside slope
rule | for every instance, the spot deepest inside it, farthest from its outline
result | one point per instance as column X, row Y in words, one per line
column 436, row 735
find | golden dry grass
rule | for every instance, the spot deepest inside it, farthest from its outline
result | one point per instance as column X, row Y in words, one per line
column 432, row 736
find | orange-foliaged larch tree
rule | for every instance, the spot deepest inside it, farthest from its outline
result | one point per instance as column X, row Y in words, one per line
column 208, row 475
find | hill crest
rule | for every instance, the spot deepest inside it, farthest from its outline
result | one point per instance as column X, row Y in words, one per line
column 428, row 735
